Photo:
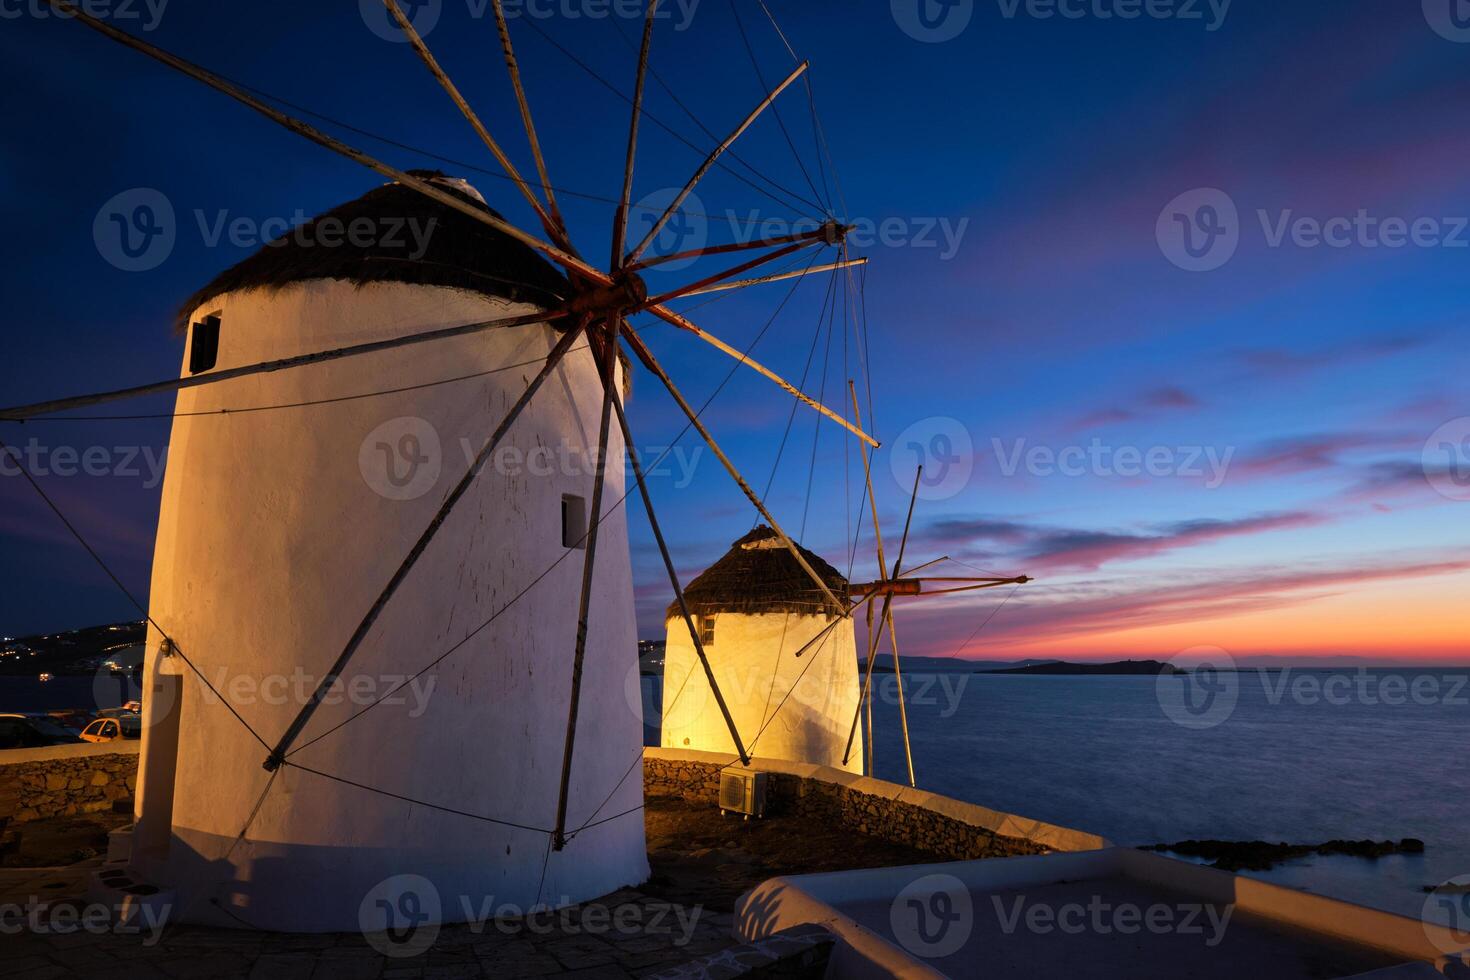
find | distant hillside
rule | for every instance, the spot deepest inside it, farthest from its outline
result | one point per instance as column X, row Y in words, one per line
column 883, row 664
column 1120, row 667
column 75, row 651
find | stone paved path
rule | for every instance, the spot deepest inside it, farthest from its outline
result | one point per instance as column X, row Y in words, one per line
column 579, row 942
column 701, row 862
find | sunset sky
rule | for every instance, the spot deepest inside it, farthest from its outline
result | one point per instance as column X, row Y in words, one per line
column 1303, row 404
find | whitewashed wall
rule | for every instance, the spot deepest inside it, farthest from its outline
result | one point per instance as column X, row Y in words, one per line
column 272, row 544
column 755, row 665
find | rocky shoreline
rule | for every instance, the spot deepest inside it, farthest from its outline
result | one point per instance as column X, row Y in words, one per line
column 1259, row 855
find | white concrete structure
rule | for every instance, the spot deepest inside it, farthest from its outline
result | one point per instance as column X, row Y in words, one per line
column 1113, row 912
column 278, row 530
column 757, row 610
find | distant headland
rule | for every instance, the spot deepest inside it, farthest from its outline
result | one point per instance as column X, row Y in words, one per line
column 1120, row 667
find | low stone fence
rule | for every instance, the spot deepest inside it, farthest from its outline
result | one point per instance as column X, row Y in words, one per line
column 69, row 779
column 65, row 780
column 945, row 827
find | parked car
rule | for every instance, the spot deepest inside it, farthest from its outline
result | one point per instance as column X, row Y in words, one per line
column 112, row 729
column 130, row 708
column 28, row 732
column 73, row 720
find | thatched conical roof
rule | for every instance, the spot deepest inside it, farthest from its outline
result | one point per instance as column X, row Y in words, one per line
column 758, row 575
column 457, row 251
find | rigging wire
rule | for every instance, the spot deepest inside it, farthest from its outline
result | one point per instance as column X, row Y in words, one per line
column 805, row 373
column 413, row 148
column 984, row 623
column 423, row 803
column 786, row 618
column 531, row 23
column 760, row 77
column 821, row 133
column 102, row 564
column 303, row 404
column 9, row 452
column 713, row 298
column 680, row 693
column 611, row 510
column 669, row 90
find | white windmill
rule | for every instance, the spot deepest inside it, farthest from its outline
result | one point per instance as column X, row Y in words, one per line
column 275, row 556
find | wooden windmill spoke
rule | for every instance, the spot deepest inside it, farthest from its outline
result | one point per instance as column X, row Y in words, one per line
column 710, row 162
column 554, row 358
column 563, row 258
column 903, row 714
column 887, row 603
column 663, row 548
column 866, row 702
column 514, row 68
column 903, row 711
column 646, row 356
column 21, row 412
column 445, row 198
column 584, row 604
column 831, row 232
column 669, row 316
column 776, row 277
column 551, row 222
column 620, row 219
column 1018, row 580
column 699, row 286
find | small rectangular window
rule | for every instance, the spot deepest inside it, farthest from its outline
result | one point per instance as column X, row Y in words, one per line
column 573, row 521
column 204, row 345
column 706, row 630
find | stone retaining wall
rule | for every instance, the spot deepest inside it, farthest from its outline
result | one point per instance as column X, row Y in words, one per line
column 71, row 779
column 946, row 828
column 65, row 780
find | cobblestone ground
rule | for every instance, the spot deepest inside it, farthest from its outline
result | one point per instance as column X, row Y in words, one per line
column 578, row 942
column 701, row 862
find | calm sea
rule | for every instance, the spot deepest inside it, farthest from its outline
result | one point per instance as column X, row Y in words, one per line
column 106, row 690
column 1329, row 754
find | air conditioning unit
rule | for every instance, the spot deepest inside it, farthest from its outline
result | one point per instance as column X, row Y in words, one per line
column 743, row 791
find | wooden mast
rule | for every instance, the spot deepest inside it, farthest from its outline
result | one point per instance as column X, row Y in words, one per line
column 609, row 362
column 887, row 601
column 903, row 713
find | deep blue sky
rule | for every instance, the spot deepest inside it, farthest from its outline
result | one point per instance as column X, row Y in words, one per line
column 1054, row 144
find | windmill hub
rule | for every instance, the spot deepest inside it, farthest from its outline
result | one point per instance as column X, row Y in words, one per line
column 834, row 232
column 627, row 292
